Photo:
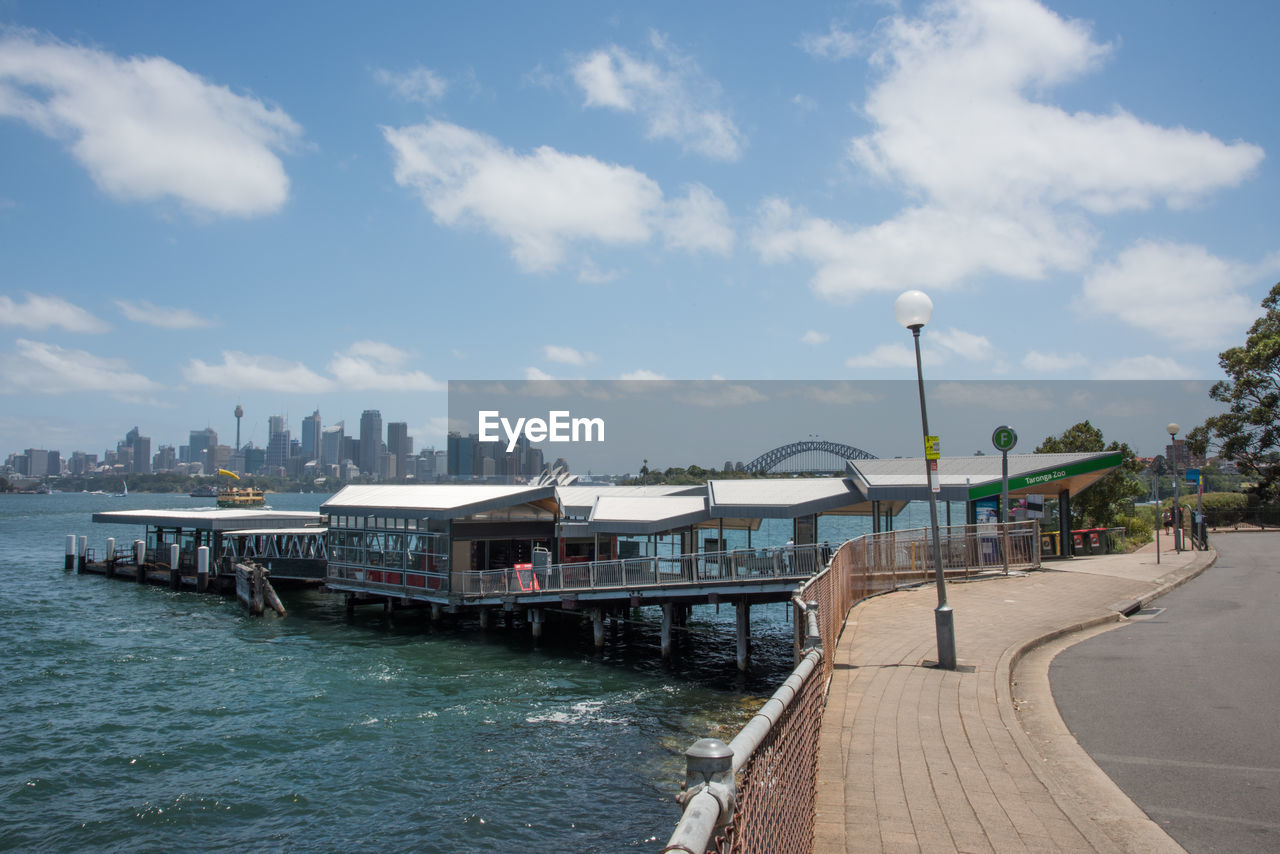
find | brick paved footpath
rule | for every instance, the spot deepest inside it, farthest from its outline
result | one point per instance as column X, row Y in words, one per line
column 914, row 758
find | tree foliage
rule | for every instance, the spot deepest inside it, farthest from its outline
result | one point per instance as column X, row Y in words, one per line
column 1106, row 500
column 1248, row 432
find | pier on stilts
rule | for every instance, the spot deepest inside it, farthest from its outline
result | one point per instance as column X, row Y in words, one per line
column 229, row 552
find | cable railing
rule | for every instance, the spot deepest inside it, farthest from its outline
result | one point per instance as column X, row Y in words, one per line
column 758, row 792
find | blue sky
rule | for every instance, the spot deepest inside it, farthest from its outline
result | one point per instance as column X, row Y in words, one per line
column 301, row 206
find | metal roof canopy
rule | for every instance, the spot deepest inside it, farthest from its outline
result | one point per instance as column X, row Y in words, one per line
column 648, row 514
column 579, row 500
column 972, row 478
column 302, row 532
column 438, row 501
column 784, row 498
column 221, row 519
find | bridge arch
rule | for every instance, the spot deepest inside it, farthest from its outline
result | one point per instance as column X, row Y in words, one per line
column 810, row 452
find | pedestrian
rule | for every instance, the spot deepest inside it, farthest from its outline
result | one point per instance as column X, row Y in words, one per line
column 1168, row 520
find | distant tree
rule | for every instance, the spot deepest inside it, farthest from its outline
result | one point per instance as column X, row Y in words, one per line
column 1248, row 433
column 1102, row 504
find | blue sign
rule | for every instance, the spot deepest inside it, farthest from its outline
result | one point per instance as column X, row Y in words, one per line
column 1193, row 475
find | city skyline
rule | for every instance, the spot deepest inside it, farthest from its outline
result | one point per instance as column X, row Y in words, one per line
column 350, row 220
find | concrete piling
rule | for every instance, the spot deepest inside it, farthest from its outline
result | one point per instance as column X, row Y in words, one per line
column 82, row 554
column 70, row 562
column 175, row 574
column 140, row 556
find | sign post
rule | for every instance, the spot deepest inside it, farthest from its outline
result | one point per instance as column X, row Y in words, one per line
column 1004, row 438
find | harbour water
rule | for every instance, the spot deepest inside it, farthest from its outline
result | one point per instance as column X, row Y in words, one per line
column 142, row 719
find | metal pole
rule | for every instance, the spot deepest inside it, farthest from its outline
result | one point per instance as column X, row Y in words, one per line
column 1159, row 516
column 943, row 617
column 1177, row 498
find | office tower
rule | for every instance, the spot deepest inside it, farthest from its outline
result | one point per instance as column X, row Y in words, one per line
column 311, row 433
column 400, row 446
column 37, row 462
column 141, row 453
column 277, row 443
column 200, row 447
column 165, row 459
column 371, row 447
column 331, row 444
column 55, row 464
column 461, row 455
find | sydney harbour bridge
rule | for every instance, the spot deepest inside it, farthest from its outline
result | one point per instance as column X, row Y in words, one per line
column 814, row 456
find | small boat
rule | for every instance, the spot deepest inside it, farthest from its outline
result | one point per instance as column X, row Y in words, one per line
column 207, row 490
column 124, row 493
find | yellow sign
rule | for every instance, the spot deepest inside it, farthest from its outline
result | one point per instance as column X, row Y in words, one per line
column 932, row 450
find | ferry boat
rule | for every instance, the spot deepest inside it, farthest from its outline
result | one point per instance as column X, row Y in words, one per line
column 241, row 496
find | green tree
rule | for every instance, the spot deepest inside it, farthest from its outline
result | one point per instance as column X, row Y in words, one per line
column 1102, row 504
column 1248, row 432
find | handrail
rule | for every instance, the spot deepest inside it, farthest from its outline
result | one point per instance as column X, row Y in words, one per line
column 776, row 752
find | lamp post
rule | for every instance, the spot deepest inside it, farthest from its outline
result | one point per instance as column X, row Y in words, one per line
column 1173, row 429
column 913, row 310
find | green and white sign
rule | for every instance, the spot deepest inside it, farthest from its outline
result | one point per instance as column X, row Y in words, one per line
column 1004, row 438
column 1049, row 475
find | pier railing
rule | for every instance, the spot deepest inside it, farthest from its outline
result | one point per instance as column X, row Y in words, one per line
column 737, row 566
column 757, row 793
column 697, row 569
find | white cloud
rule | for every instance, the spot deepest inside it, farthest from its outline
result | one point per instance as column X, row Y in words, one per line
column 536, row 374
column 938, row 346
column 966, row 345
column 835, row 43
column 807, row 103
column 1176, row 291
column 1052, row 363
column 669, row 91
column 1003, row 181
column 927, row 247
column 591, row 274
column 885, row 356
column 1142, row 368
column 42, row 312
column 698, row 221
column 376, row 366
column 245, row 372
column 542, row 201
column 42, row 368
column 146, row 128
column 165, row 318
column 814, row 338
column 567, row 355
column 642, row 374
column 417, row 84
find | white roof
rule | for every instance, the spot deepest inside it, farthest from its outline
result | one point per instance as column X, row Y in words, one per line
column 785, row 497
column 210, row 518
column 437, row 500
column 905, row 478
column 583, row 497
column 647, row 514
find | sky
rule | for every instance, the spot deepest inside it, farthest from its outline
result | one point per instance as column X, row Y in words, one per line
column 301, row 206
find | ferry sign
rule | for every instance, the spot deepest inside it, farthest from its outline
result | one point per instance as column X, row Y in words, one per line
column 932, row 448
column 1004, row 438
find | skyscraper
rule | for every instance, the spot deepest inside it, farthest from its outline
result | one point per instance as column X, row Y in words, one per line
column 277, row 443
column 371, row 446
column 311, row 449
column 400, row 446
column 331, row 444
column 200, row 447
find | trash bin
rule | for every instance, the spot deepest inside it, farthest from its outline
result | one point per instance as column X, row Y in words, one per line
column 1080, row 542
column 1049, row 543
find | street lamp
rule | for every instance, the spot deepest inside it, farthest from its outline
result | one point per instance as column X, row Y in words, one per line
column 913, row 310
column 1173, row 429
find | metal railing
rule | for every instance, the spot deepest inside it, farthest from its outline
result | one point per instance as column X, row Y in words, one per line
column 693, row 570
column 757, row 794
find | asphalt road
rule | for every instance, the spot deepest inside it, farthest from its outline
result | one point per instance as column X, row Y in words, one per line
column 1182, row 708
